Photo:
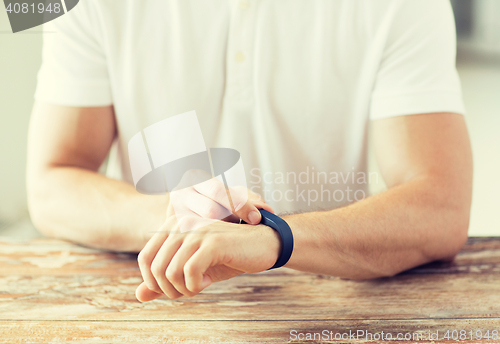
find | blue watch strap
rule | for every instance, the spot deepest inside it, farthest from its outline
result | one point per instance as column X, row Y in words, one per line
column 280, row 226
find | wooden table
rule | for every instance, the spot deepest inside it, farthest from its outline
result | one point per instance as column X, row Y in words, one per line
column 53, row 291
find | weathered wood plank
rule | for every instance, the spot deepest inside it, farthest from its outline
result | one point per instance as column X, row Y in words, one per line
column 247, row 331
column 54, row 280
column 263, row 297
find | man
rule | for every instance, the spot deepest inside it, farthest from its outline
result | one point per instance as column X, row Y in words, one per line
column 293, row 86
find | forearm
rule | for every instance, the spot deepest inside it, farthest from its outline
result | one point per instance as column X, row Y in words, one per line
column 88, row 208
column 405, row 226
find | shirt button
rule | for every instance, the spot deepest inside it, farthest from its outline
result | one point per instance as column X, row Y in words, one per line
column 240, row 57
column 244, row 5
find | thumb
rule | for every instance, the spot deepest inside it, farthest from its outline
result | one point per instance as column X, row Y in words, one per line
column 143, row 294
column 250, row 212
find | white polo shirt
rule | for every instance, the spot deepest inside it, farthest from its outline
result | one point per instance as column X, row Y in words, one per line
column 290, row 84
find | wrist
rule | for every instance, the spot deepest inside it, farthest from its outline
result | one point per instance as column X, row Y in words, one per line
column 272, row 243
column 285, row 236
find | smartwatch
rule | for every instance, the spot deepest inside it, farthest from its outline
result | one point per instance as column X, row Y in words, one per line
column 280, row 226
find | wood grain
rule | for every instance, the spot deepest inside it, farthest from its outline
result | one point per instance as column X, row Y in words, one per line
column 53, row 291
column 238, row 332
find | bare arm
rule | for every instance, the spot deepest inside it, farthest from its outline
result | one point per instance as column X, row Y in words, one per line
column 424, row 215
column 67, row 198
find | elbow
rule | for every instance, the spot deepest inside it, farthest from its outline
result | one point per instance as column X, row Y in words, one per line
column 38, row 207
column 40, row 223
column 447, row 225
column 457, row 236
column 38, row 218
column 452, row 235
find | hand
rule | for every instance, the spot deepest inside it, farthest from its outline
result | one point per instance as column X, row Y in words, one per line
column 177, row 264
column 200, row 195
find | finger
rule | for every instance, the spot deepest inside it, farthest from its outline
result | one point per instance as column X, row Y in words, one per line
column 161, row 262
column 205, row 207
column 265, row 206
column 239, row 197
column 144, row 294
column 148, row 254
column 175, row 270
column 194, row 270
column 246, row 204
column 215, row 190
column 250, row 212
column 177, row 202
column 258, row 201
